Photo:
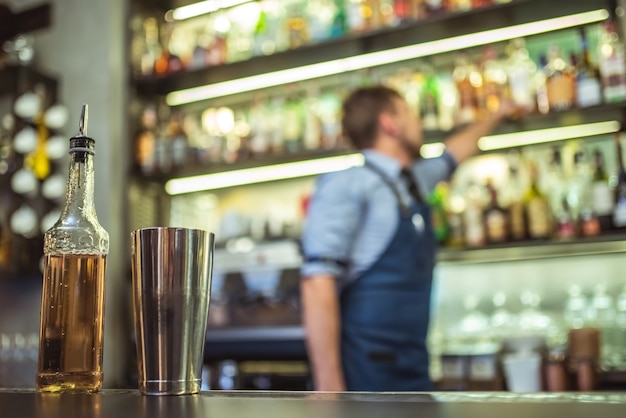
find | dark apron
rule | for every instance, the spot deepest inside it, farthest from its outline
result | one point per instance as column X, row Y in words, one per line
column 385, row 311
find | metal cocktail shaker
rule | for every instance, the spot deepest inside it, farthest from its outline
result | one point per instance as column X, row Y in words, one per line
column 171, row 274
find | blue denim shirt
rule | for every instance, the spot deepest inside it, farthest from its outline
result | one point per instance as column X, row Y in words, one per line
column 353, row 214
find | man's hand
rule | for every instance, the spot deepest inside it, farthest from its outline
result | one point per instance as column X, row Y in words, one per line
column 510, row 110
column 464, row 144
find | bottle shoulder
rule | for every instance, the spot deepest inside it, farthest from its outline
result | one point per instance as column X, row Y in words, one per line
column 76, row 237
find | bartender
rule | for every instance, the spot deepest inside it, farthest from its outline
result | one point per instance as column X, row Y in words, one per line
column 369, row 248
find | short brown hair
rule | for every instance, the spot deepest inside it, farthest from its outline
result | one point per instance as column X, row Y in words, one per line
column 361, row 111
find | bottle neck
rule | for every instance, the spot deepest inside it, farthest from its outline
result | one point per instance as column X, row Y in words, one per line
column 79, row 203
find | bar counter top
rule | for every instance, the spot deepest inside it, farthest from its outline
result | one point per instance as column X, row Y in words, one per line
column 239, row 404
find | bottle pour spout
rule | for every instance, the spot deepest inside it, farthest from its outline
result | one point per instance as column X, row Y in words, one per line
column 82, row 122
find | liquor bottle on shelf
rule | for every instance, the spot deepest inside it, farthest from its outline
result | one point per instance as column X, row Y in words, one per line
column 602, row 198
column 259, row 136
column 612, row 65
column 565, row 224
column 72, row 302
column 293, row 123
column 145, row 141
column 576, row 185
column 295, row 22
column 537, row 208
column 319, row 16
column 467, row 79
column 579, row 197
column 152, row 48
column 178, row 140
column 264, row 44
column 494, row 80
column 619, row 212
column 458, row 5
column 402, row 9
column 448, row 101
column 162, row 144
column 474, row 228
column 540, row 86
column 495, row 217
column 359, row 16
column 521, row 72
column 201, row 50
column 340, row 20
column 430, row 101
column 588, row 85
column 476, row 4
column 427, row 8
column 240, row 40
column 386, row 15
column 560, row 81
column 329, row 112
column 554, row 181
column 513, row 195
column 437, row 202
column 219, row 24
column 167, row 62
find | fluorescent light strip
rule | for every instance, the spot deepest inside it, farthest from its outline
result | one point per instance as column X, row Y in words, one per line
column 201, row 8
column 358, row 62
column 518, row 139
column 261, row 174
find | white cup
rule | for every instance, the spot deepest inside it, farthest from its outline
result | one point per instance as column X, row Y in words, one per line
column 522, row 371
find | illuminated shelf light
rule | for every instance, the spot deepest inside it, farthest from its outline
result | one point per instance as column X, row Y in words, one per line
column 540, row 136
column 201, row 8
column 374, row 59
column 262, row 174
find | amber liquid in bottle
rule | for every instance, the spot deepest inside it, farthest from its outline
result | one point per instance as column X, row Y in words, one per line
column 73, row 314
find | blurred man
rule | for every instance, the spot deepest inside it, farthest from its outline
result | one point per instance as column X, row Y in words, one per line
column 369, row 249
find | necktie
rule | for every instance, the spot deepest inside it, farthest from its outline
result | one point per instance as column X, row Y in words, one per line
column 407, row 176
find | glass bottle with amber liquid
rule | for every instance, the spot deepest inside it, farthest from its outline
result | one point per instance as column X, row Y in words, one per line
column 560, row 81
column 495, row 217
column 72, row 302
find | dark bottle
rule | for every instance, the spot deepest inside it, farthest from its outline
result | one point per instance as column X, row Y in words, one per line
column 72, row 301
column 602, row 199
column 495, row 217
column 619, row 212
column 513, row 197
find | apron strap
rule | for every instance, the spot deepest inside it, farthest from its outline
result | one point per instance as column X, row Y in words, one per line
column 404, row 206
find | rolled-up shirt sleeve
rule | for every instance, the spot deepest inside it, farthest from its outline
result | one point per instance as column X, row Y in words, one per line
column 431, row 171
column 330, row 226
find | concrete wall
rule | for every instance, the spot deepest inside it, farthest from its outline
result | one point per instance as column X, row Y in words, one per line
column 85, row 49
